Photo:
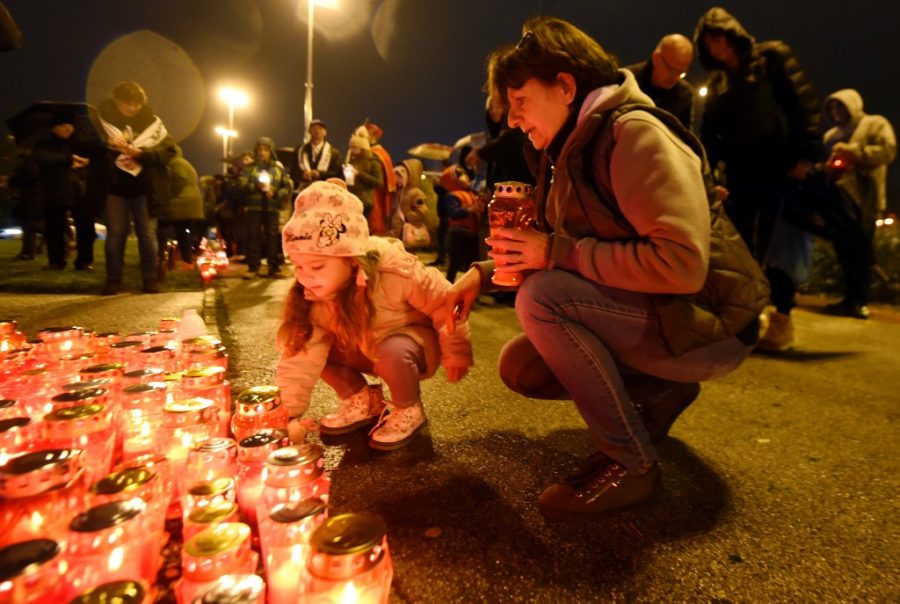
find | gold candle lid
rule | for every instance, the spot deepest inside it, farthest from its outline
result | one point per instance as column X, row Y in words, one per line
column 25, row 557
column 124, row 481
column 39, row 472
column 209, row 488
column 217, row 539
column 115, row 592
column 214, row 512
column 107, row 515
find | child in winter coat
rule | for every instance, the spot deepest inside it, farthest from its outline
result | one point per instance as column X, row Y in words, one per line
column 361, row 305
column 464, row 210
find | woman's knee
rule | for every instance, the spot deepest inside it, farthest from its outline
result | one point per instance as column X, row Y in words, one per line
column 524, row 371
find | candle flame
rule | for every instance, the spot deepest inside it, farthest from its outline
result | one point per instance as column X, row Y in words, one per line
column 4, row 345
column 115, row 559
column 349, row 595
column 297, row 553
column 145, row 429
column 37, row 520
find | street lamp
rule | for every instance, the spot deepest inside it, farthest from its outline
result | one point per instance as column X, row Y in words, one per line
column 227, row 134
column 234, row 98
column 308, row 100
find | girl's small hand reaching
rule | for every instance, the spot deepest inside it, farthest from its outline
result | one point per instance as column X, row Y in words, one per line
column 455, row 374
column 298, row 429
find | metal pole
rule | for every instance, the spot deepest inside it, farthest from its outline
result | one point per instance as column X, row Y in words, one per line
column 230, row 127
column 308, row 102
column 224, row 154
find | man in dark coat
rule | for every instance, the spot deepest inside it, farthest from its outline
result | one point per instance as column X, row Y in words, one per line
column 316, row 159
column 662, row 77
column 61, row 194
column 760, row 128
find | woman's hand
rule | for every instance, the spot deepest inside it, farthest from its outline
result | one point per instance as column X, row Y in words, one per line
column 461, row 297
column 516, row 250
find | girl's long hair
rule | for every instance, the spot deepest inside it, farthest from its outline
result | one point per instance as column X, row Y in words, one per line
column 353, row 308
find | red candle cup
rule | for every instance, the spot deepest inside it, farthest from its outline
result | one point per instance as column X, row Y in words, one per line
column 252, row 454
column 209, row 382
column 17, row 435
column 284, row 538
column 219, row 550
column 512, row 207
column 349, row 561
column 237, row 589
column 258, row 408
column 211, row 458
column 142, row 376
column 140, row 419
column 118, row 592
column 293, row 474
column 205, row 517
column 107, row 543
column 40, row 491
column 32, row 572
column 87, row 427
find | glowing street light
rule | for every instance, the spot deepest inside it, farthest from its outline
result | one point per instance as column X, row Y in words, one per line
column 703, row 91
column 233, row 98
column 227, row 134
column 308, row 100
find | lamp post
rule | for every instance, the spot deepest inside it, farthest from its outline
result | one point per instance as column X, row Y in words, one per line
column 227, row 134
column 233, row 98
column 308, row 99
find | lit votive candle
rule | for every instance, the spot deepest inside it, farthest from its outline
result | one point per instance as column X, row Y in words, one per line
column 284, row 538
column 87, row 427
column 222, row 549
column 257, row 408
column 32, row 572
column 115, row 592
column 234, row 589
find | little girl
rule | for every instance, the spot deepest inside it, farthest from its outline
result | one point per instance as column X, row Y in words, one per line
column 361, row 305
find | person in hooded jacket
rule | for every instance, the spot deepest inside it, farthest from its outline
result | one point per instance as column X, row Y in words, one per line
column 182, row 217
column 464, row 211
column 265, row 186
column 636, row 286
column 761, row 123
column 858, row 147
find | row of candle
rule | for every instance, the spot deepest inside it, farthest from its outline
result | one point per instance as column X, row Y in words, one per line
column 174, row 459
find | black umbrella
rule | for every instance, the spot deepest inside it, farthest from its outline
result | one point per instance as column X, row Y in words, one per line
column 33, row 123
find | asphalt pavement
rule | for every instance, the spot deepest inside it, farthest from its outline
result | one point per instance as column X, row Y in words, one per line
column 780, row 482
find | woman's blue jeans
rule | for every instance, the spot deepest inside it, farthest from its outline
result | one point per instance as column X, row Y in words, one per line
column 587, row 333
column 118, row 211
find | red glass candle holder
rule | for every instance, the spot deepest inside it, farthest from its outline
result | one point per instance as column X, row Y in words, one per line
column 252, row 454
column 68, row 367
column 169, row 323
column 293, row 474
column 142, row 376
column 216, row 357
column 114, row 372
column 32, row 572
column 34, row 387
column 108, row 543
column 144, row 337
column 116, row 592
column 211, row 458
column 73, row 397
column 159, row 465
column 40, row 491
column 284, row 537
column 349, row 561
column 242, row 589
column 209, row 382
column 158, row 356
column 10, row 408
column 140, row 418
column 10, row 336
column 512, row 207
column 61, row 340
column 222, row 549
column 87, row 427
column 258, row 408
column 204, row 517
column 17, row 435
column 126, row 352
column 209, row 492
column 186, row 422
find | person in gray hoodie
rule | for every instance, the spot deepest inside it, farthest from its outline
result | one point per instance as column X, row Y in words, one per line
column 858, row 147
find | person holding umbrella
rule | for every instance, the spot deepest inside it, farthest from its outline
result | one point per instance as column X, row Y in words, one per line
column 61, row 194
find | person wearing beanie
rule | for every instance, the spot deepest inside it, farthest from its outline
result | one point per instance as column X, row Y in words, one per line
column 464, row 211
column 265, row 186
column 362, row 170
column 58, row 167
column 316, row 159
column 379, row 219
column 361, row 305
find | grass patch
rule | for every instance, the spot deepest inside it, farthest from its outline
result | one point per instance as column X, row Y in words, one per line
column 26, row 276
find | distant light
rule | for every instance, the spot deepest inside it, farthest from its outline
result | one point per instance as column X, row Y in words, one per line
column 327, row 3
column 889, row 221
column 11, row 232
column 682, row 76
column 235, row 97
column 222, row 131
column 879, row 222
column 703, row 91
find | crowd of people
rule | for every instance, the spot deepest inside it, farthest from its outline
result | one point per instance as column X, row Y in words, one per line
column 664, row 251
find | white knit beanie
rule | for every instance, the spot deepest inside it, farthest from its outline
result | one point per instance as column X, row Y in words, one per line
column 327, row 220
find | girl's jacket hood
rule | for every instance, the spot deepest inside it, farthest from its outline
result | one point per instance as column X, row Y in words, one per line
column 719, row 19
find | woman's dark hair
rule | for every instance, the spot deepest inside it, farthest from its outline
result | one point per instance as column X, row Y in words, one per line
column 130, row 92
column 550, row 46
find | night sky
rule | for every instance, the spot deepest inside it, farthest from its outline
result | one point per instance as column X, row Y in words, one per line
column 414, row 67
